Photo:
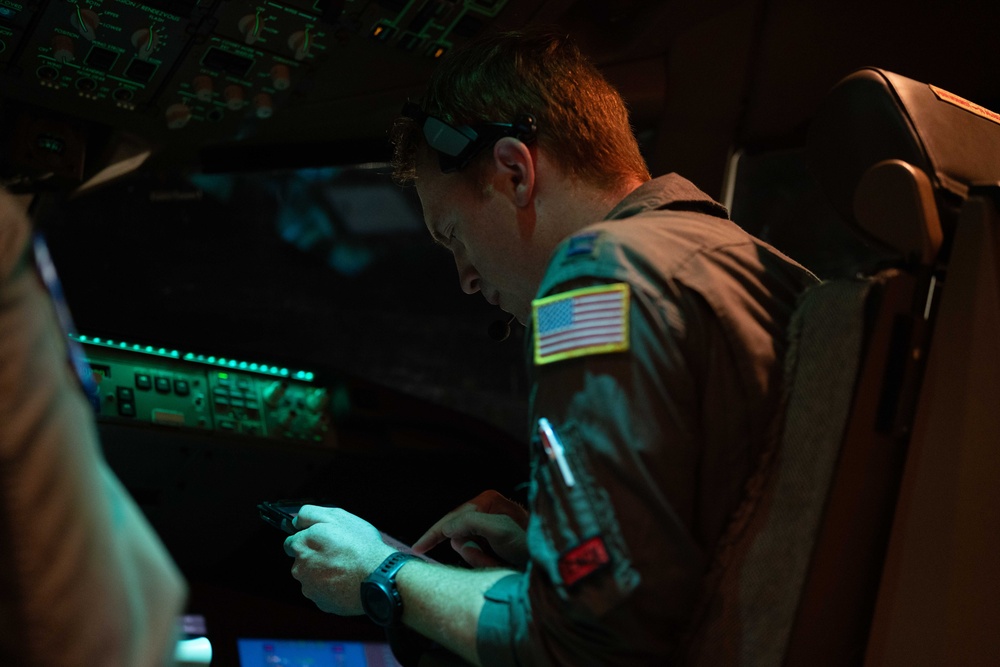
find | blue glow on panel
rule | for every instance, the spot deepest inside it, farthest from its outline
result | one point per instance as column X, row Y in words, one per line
column 313, row 653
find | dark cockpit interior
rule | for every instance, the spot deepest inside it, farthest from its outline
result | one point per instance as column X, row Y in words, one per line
column 260, row 303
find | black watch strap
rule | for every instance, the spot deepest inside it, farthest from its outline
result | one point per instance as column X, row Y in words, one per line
column 379, row 597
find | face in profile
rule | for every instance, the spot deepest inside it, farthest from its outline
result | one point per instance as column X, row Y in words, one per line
column 480, row 228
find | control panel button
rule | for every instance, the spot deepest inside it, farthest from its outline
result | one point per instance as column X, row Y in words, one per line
column 233, row 96
column 178, row 115
column 143, row 381
column 170, row 417
column 162, row 385
column 203, row 87
column 263, row 106
column 126, row 395
column 281, row 77
column 126, row 409
column 181, row 387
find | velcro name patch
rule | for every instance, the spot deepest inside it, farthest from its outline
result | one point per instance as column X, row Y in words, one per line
column 583, row 560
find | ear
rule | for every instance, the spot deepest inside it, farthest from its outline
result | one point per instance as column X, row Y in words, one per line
column 515, row 170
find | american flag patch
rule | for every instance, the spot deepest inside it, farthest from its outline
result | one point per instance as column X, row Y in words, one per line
column 591, row 320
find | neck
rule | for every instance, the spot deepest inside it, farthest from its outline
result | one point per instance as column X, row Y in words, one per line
column 577, row 205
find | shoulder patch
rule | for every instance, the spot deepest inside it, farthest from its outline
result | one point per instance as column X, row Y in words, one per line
column 581, row 244
column 581, row 322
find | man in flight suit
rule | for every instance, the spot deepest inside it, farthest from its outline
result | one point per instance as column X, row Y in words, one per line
column 656, row 339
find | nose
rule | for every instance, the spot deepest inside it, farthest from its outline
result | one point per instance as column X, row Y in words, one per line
column 468, row 277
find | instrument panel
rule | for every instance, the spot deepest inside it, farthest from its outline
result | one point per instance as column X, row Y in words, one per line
column 142, row 384
column 182, row 75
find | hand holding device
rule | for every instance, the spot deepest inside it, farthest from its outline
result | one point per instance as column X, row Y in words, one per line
column 281, row 513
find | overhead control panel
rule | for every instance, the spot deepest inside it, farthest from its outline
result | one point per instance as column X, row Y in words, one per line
column 197, row 72
column 143, row 384
column 103, row 54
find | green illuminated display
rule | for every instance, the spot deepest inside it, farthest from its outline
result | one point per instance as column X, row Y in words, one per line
column 264, row 369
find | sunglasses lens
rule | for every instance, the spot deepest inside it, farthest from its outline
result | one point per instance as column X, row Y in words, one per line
column 444, row 138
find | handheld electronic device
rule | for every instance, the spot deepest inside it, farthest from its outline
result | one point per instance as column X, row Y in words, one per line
column 281, row 513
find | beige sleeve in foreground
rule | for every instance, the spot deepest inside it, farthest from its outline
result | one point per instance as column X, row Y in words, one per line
column 84, row 580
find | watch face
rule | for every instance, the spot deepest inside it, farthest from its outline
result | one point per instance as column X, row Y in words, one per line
column 376, row 602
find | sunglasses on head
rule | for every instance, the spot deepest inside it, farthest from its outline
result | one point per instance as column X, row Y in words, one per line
column 456, row 146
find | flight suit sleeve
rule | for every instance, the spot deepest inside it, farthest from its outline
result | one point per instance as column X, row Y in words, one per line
column 85, row 578
column 614, row 570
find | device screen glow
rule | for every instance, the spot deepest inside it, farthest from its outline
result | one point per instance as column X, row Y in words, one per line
column 314, row 653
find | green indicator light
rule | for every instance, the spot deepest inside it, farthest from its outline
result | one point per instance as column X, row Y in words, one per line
column 253, row 367
column 136, row 347
column 97, row 340
column 162, row 351
column 222, row 360
column 109, row 342
column 174, row 353
column 149, row 348
column 211, row 360
column 223, row 376
column 232, row 363
column 201, row 357
column 122, row 344
column 83, row 339
column 284, row 371
column 309, row 376
column 189, row 356
column 243, row 364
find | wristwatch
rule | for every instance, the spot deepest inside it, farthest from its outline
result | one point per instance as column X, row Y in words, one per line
column 379, row 597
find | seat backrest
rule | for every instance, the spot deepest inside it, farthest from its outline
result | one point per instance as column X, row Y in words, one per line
column 914, row 200
column 796, row 578
column 762, row 562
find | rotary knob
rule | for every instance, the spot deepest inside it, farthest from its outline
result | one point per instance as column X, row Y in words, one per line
column 317, row 400
column 63, row 49
column 300, row 43
column 145, row 42
column 85, row 21
column 274, row 392
column 251, row 26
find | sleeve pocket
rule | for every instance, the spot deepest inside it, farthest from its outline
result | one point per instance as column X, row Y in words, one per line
column 573, row 534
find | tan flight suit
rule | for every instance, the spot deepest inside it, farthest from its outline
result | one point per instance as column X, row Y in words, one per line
column 659, row 430
column 84, row 580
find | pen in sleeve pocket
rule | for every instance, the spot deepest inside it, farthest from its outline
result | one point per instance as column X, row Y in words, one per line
column 553, row 447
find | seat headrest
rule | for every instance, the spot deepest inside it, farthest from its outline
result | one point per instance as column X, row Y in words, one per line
column 874, row 115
